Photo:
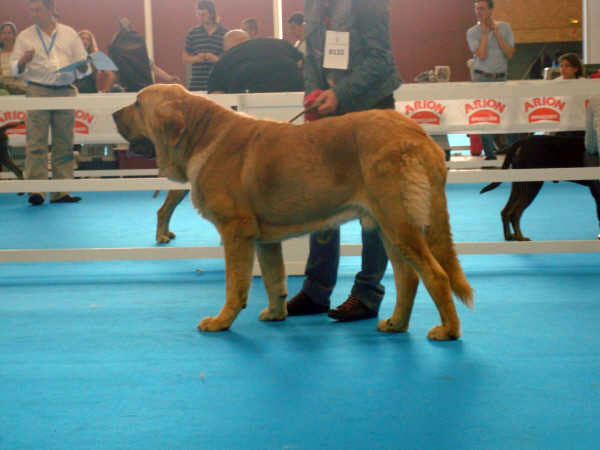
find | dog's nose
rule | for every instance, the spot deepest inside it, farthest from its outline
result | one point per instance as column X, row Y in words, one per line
column 116, row 114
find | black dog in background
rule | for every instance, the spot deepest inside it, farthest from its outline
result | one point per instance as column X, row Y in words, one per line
column 539, row 152
column 4, row 156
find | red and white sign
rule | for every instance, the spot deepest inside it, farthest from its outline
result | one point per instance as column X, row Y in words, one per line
column 544, row 109
column 425, row 112
column 83, row 122
column 485, row 110
column 7, row 117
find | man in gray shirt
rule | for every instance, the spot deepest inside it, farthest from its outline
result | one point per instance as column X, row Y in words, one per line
column 492, row 44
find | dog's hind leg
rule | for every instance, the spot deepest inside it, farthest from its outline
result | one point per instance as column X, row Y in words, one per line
column 238, row 245
column 507, row 212
column 529, row 192
column 406, row 244
column 163, row 216
column 272, row 269
column 407, row 282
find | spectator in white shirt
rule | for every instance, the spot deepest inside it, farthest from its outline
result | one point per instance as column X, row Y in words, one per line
column 39, row 52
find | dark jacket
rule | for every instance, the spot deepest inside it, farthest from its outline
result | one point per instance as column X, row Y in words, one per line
column 371, row 74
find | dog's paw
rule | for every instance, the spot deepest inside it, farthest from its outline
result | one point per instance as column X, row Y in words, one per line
column 388, row 326
column 165, row 238
column 441, row 333
column 212, row 324
column 267, row 315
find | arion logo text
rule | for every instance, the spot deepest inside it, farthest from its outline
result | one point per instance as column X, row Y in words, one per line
column 425, row 112
column 485, row 110
column 544, row 109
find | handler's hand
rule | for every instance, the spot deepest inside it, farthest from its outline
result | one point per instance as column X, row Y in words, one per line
column 328, row 102
column 210, row 57
column 27, row 56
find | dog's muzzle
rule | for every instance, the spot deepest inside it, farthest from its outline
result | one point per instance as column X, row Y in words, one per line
column 142, row 146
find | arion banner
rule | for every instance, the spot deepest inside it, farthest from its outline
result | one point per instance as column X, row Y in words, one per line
column 512, row 106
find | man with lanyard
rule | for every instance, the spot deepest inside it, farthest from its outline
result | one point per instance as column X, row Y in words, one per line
column 348, row 66
column 39, row 52
column 492, row 44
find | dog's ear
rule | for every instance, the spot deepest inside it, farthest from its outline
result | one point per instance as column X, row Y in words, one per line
column 170, row 123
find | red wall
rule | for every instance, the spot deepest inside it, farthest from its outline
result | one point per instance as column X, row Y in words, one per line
column 424, row 33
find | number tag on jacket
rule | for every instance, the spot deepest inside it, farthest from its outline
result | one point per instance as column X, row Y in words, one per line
column 337, row 50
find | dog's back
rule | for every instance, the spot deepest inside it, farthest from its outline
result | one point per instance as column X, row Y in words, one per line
column 538, row 152
column 542, row 152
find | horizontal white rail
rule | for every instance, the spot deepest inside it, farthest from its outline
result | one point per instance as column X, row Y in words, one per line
column 150, row 184
column 298, row 255
column 458, row 162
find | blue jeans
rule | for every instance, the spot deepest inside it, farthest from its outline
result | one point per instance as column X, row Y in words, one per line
column 487, row 140
column 323, row 261
column 324, row 258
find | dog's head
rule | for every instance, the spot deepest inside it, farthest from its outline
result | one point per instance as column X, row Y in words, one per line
column 155, row 125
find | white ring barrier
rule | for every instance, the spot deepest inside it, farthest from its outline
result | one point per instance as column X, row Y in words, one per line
column 409, row 98
column 510, row 106
column 148, row 184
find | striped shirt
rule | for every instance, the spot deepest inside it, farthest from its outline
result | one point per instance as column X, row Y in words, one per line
column 199, row 41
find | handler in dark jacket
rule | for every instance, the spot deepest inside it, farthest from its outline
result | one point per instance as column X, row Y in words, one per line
column 348, row 67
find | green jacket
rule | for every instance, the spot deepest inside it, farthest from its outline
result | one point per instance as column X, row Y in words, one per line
column 371, row 74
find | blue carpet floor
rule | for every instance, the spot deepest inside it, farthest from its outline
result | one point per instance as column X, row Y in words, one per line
column 106, row 354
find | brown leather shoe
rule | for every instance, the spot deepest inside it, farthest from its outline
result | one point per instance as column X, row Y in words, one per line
column 66, row 199
column 352, row 309
column 36, row 199
column 302, row 305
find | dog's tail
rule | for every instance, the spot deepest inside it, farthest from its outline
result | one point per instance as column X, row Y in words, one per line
column 442, row 246
column 458, row 281
column 508, row 160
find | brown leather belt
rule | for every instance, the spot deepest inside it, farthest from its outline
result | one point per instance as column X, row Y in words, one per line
column 490, row 75
column 50, row 86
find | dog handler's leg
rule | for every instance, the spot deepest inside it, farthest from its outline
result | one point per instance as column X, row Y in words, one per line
column 174, row 197
column 407, row 281
column 270, row 258
column 239, row 258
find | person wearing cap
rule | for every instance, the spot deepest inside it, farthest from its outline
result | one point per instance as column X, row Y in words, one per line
column 296, row 28
column 39, row 52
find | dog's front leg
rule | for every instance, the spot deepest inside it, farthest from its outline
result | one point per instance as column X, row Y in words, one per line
column 239, row 258
column 272, row 269
column 163, row 216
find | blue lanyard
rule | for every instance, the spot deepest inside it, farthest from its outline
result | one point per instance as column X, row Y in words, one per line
column 52, row 40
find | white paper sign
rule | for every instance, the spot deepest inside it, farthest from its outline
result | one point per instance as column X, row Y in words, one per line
column 337, row 50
